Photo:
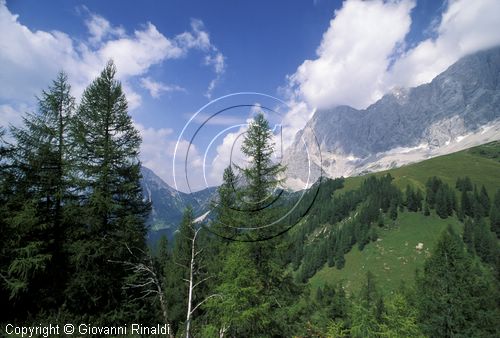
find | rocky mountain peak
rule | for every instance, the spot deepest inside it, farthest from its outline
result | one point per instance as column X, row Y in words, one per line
column 459, row 108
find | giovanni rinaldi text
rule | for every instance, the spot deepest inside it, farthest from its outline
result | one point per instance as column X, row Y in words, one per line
column 85, row 329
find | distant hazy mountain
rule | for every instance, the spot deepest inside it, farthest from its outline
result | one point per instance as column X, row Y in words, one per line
column 168, row 204
column 459, row 109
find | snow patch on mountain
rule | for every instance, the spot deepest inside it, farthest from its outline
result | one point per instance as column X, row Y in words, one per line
column 458, row 109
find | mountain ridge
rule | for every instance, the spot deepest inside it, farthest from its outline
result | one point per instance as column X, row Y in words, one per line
column 168, row 204
column 459, row 108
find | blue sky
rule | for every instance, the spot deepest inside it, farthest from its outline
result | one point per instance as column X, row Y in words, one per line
column 174, row 57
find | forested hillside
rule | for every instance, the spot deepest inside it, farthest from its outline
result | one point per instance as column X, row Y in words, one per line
column 394, row 256
column 412, row 252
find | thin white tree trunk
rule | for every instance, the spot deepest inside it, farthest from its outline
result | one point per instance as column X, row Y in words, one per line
column 190, row 289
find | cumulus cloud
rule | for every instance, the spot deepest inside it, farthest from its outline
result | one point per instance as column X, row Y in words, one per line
column 187, row 170
column 157, row 153
column 30, row 59
column 465, row 27
column 156, row 88
column 227, row 153
column 354, row 54
column 27, row 57
column 364, row 53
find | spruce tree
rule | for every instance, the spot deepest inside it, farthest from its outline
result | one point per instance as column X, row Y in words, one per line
column 410, row 198
column 468, row 235
column 39, row 162
column 393, row 209
column 457, row 296
column 485, row 242
column 495, row 214
column 369, row 292
column 484, row 200
column 226, row 210
column 427, row 212
column 465, row 205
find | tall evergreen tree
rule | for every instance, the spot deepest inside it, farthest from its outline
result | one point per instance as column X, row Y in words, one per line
column 495, row 214
column 400, row 319
column 225, row 209
column 261, row 178
column 468, row 235
column 457, row 296
column 464, row 184
column 255, row 202
column 485, row 242
column 369, row 292
column 39, row 162
column 393, row 210
column 484, row 200
column 112, row 207
column 242, row 310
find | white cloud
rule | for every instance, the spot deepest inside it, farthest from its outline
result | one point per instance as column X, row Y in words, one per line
column 29, row 59
column 156, row 88
column 354, row 54
column 295, row 119
column 188, row 167
column 465, row 27
column 100, row 28
column 361, row 55
column 11, row 116
column 228, row 152
column 351, row 62
column 134, row 100
column 364, row 37
column 157, row 153
column 198, row 38
column 217, row 61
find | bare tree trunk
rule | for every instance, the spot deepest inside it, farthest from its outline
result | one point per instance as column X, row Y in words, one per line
column 194, row 266
column 190, row 282
column 150, row 284
column 222, row 331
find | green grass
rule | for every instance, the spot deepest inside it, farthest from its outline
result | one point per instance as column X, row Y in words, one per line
column 481, row 164
column 490, row 150
column 393, row 258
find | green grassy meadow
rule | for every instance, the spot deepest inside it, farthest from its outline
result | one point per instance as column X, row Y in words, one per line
column 394, row 258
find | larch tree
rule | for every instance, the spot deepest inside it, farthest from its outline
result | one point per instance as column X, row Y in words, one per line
column 258, row 210
column 113, row 210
